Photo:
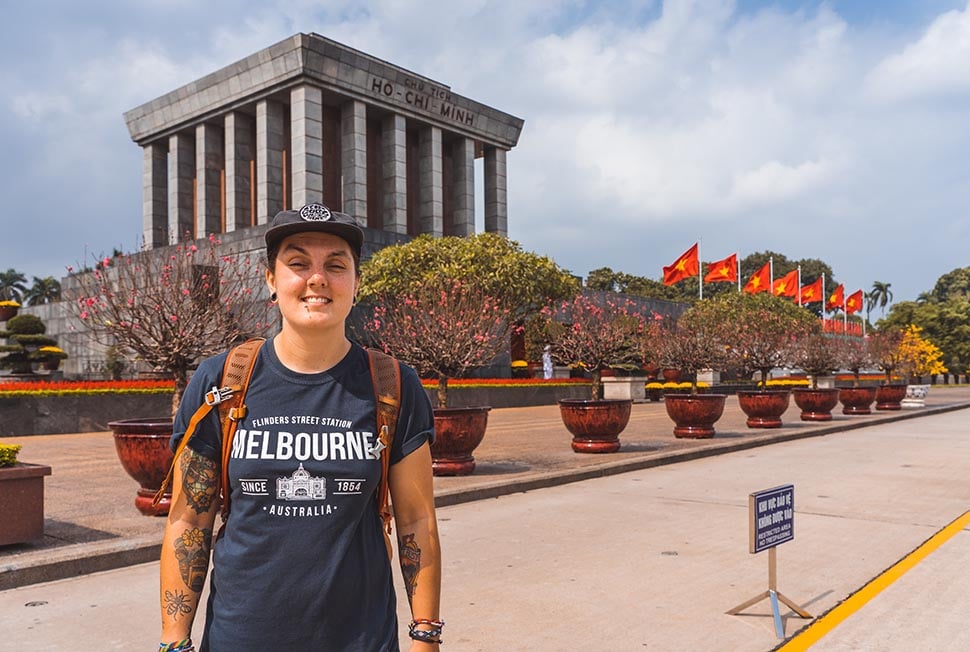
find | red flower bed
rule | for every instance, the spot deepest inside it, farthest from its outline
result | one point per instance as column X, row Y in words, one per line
column 57, row 388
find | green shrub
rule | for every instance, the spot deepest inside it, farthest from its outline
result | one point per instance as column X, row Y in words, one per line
column 8, row 454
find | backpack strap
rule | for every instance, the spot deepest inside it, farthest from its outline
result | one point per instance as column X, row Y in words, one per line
column 386, row 376
column 236, row 374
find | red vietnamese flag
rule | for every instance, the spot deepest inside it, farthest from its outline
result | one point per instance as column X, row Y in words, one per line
column 812, row 293
column 854, row 302
column 723, row 270
column 787, row 285
column 684, row 267
column 760, row 281
column 836, row 299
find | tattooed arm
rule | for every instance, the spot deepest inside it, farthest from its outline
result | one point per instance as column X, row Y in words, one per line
column 187, row 542
column 420, row 553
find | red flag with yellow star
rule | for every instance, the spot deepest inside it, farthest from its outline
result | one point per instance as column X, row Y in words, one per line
column 787, row 285
column 854, row 302
column 836, row 299
column 723, row 270
column 760, row 281
column 684, row 267
column 812, row 293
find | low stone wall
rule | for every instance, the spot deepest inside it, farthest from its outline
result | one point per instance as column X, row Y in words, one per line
column 51, row 415
column 504, row 397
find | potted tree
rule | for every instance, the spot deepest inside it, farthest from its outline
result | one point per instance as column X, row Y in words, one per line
column 853, row 354
column 443, row 327
column 170, row 307
column 8, row 309
column 815, row 353
column 25, row 337
column 21, row 497
column 919, row 358
column 760, row 332
column 595, row 332
column 886, row 353
column 694, row 342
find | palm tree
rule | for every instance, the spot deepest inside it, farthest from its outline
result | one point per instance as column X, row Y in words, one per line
column 44, row 290
column 880, row 294
column 12, row 286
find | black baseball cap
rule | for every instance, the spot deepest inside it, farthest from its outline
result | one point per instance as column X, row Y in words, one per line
column 315, row 217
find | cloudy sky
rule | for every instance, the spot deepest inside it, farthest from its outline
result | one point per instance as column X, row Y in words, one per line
column 837, row 130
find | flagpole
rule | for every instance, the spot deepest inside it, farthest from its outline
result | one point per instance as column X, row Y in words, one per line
column 799, row 286
column 771, row 274
column 863, row 309
column 825, row 299
column 845, row 317
column 738, row 261
column 700, row 272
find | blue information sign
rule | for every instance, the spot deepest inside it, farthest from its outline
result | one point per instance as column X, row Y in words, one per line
column 772, row 514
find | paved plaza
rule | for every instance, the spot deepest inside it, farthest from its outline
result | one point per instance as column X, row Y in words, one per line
column 549, row 550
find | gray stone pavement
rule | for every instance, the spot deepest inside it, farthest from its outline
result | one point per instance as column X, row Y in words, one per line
column 651, row 559
column 92, row 525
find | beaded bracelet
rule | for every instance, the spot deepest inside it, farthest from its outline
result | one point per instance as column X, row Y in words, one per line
column 426, row 635
column 185, row 645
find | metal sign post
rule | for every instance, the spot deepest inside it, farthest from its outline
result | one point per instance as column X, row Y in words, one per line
column 771, row 522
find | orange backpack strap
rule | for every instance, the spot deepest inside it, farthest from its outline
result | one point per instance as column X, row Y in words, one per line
column 236, row 374
column 229, row 398
column 385, row 374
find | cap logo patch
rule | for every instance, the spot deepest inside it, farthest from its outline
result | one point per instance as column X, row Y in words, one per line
column 315, row 213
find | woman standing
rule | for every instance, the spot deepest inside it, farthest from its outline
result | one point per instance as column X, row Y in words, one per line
column 301, row 563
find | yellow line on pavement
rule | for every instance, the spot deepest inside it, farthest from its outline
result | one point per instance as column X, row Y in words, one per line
column 827, row 622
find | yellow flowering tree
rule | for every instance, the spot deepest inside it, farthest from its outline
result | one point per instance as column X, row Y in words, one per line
column 919, row 357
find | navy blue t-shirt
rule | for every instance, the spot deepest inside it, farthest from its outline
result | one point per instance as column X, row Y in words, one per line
column 301, row 563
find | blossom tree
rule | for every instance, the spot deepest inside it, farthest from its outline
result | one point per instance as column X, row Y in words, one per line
column 442, row 327
column 595, row 333
column 816, row 354
column 693, row 342
column 760, row 330
column 171, row 310
column 884, row 345
column 853, row 354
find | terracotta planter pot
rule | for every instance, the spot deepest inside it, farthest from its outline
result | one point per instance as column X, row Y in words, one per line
column 22, row 502
column 458, row 431
column 7, row 312
column 856, row 400
column 595, row 424
column 816, row 404
column 670, row 375
column 889, row 397
column 764, row 409
column 143, row 448
column 694, row 415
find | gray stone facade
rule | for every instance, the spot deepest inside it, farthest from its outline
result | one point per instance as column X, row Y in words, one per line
column 309, row 119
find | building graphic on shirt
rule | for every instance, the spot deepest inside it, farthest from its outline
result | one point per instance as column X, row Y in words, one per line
column 301, row 486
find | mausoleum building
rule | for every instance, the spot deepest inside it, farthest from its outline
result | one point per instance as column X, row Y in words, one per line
column 309, row 120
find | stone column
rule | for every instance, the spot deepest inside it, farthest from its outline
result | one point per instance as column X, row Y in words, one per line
column 353, row 145
column 463, row 187
column 306, row 145
column 209, row 160
column 269, row 160
column 155, row 195
column 239, row 152
column 181, row 177
column 431, row 208
column 496, row 192
column 395, row 151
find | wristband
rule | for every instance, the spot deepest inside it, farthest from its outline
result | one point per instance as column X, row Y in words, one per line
column 185, row 645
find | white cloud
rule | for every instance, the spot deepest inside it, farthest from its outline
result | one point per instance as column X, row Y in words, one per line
column 935, row 66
